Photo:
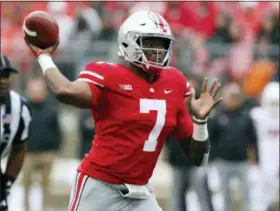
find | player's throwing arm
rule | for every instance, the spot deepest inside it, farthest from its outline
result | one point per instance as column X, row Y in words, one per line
column 42, row 37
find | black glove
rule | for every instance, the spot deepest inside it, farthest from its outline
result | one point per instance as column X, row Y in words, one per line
column 6, row 184
column 3, row 197
column 3, row 204
column 8, row 181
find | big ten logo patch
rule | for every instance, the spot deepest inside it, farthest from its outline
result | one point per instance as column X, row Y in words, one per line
column 126, row 87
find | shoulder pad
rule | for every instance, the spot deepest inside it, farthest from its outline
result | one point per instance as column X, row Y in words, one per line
column 181, row 79
column 97, row 73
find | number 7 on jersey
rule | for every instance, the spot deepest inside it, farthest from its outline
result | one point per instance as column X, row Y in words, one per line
column 147, row 105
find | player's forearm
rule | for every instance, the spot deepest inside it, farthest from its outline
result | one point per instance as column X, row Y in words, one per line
column 15, row 161
column 197, row 148
column 199, row 151
column 55, row 80
column 57, row 83
column 199, row 145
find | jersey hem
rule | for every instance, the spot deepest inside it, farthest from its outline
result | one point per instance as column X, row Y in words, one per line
column 108, row 179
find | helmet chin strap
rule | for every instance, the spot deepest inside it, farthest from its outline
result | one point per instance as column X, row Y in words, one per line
column 137, row 57
column 148, row 66
column 151, row 76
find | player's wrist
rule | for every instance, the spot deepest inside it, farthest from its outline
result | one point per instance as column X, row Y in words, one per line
column 3, row 203
column 200, row 130
column 200, row 121
column 45, row 61
column 8, row 182
column 9, row 179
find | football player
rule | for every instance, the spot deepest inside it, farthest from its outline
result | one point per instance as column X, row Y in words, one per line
column 266, row 120
column 135, row 103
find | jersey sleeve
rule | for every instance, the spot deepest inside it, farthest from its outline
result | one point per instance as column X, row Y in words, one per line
column 96, row 76
column 184, row 125
column 183, row 83
column 186, row 84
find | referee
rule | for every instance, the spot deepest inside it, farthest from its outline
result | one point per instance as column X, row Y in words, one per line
column 15, row 117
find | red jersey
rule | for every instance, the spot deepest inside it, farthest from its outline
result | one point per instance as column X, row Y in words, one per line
column 132, row 120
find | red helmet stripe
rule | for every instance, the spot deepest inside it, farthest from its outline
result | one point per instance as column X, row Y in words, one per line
column 161, row 23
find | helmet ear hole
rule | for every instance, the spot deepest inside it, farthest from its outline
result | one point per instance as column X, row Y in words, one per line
column 138, row 41
column 124, row 45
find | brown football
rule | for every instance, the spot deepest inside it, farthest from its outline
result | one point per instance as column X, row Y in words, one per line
column 40, row 29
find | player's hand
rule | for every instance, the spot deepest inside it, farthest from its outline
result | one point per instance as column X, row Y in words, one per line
column 3, row 199
column 3, row 205
column 208, row 99
column 37, row 51
column 7, row 184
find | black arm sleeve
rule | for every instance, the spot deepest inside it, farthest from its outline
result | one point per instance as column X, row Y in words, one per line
column 196, row 151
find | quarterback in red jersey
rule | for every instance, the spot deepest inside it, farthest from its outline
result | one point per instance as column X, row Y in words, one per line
column 136, row 104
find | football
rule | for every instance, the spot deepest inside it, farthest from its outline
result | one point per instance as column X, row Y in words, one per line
column 40, row 29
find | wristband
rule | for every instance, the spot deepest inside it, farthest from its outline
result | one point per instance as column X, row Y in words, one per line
column 46, row 62
column 200, row 121
column 200, row 131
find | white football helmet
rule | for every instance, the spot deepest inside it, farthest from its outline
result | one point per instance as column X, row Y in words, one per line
column 270, row 98
column 141, row 25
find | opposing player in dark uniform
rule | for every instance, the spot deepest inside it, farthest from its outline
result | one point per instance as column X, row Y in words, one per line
column 135, row 105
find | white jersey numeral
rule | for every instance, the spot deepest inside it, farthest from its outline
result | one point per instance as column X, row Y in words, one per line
column 147, row 105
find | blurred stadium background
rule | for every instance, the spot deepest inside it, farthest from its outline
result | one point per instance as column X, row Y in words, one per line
column 234, row 41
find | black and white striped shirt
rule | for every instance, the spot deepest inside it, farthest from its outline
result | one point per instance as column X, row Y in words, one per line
column 15, row 118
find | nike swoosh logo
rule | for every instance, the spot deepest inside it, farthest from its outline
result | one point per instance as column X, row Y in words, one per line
column 167, row 91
